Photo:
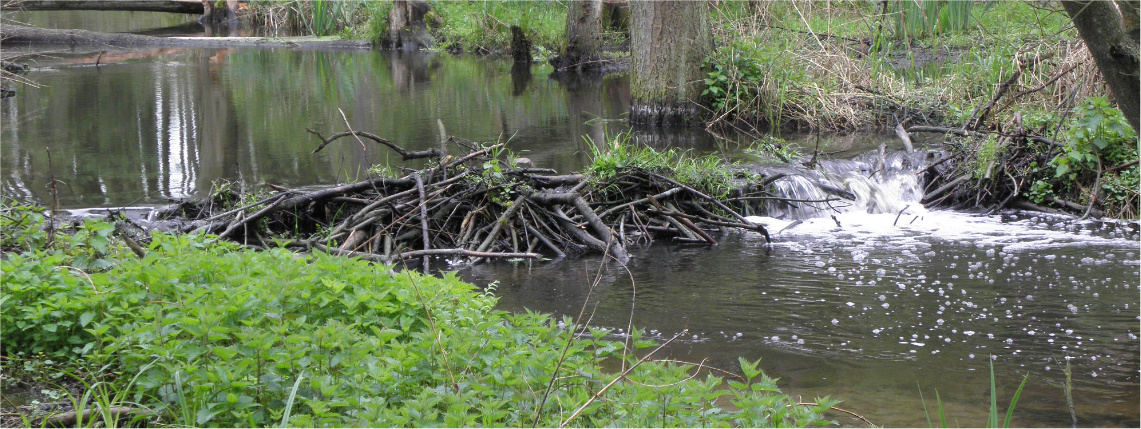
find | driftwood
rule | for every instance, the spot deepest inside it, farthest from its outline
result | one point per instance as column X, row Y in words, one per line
column 469, row 207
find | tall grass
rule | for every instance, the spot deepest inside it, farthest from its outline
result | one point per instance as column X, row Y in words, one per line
column 316, row 17
column 923, row 18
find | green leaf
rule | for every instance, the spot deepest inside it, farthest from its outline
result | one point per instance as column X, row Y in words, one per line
column 205, row 414
column 85, row 318
column 992, row 417
column 749, row 368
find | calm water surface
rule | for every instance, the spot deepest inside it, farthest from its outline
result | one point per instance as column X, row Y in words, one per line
column 867, row 313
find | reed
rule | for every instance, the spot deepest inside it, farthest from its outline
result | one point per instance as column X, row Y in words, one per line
column 993, row 410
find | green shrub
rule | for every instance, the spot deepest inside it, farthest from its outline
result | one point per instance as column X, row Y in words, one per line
column 211, row 334
column 1098, row 135
column 1100, row 143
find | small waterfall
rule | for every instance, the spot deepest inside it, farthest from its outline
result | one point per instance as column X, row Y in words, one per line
column 872, row 183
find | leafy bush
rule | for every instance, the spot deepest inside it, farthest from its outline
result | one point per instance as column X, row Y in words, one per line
column 212, row 334
column 1100, row 143
column 1099, row 136
column 85, row 244
column 755, row 81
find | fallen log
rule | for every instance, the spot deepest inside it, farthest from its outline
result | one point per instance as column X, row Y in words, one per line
column 13, row 34
column 191, row 7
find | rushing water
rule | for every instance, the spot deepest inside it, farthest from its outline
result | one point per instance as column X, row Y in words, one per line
column 865, row 307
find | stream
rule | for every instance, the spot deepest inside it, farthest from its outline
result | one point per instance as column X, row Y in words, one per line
column 869, row 303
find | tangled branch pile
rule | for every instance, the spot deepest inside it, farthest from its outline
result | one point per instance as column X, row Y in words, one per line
column 479, row 206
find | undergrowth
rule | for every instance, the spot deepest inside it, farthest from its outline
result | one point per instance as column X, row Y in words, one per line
column 486, row 26
column 1098, row 160
column 200, row 332
column 846, row 66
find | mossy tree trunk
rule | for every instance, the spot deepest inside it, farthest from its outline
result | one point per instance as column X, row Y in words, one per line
column 668, row 42
column 1114, row 50
column 584, row 36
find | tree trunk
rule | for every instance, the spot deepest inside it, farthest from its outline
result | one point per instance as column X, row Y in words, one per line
column 406, row 28
column 616, row 17
column 520, row 46
column 220, row 12
column 584, row 36
column 668, row 42
column 1115, row 52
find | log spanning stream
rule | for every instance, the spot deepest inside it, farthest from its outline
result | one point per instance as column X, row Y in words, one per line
column 868, row 300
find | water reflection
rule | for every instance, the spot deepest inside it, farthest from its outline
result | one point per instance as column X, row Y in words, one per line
column 143, row 127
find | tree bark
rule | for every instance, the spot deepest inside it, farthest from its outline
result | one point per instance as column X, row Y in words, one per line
column 584, row 37
column 1114, row 51
column 406, row 27
column 668, row 42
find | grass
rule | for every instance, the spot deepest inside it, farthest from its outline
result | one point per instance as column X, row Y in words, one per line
column 710, row 174
column 485, row 26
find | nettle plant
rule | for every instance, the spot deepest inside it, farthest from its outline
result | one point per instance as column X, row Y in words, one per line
column 1099, row 137
column 209, row 334
column 1099, row 149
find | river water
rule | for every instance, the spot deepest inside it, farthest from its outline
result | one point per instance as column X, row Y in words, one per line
column 868, row 308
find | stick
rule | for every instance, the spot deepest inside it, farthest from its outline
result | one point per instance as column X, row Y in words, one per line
column 900, row 214
column 688, row 224
column 1002, row 88
column 703, row 196
column 71, row 417
column 423, row 216
column 667, row 193
column 902, row 134
column 469, row 156
column 507, row 214
column 466, row 252
column 965, row 133
column 546, row 242
column 405, row 155
column 942, row 189
column 813, row 404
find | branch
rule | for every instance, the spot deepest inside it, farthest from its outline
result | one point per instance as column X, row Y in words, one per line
column 406, row 155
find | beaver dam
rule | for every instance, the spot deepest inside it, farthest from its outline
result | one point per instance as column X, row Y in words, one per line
column 487, row 203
